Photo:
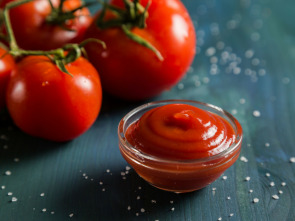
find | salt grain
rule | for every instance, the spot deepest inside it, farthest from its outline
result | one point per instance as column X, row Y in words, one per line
column 9, row 193
column 244, row 159
column 256, row 113
column 292, row 160
column 231, row 214
column 267, row 144
column 7, row 173
column 249, row 53
column 283, row 184
column 255, row 200
column 272, row 184
column 280, row 192
column 71, row 215
column 247, row 178
column 267, row 174
column 219, row 218
column 129, row 208
column 210, row 51
column 3, row 187
column 172, row 209
column 42, row 194
column 142, row 210
column 224, row 177
column 13, row 199
column 44, row 210
column 276, row 197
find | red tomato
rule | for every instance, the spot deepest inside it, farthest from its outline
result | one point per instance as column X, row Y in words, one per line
column 6, row 66
column 47, row 103
column 32, row 32
column 131, row 71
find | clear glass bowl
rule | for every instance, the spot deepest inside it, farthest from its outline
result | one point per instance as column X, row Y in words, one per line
column 179, row 175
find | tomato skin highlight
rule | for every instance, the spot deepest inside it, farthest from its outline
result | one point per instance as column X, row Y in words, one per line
column 133, row 72
column 33, row 33
column 7, row 64
column 47, row 103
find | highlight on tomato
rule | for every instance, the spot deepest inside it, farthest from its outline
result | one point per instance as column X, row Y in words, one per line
column 150, row 46
column 7, row 64
column 48, row 24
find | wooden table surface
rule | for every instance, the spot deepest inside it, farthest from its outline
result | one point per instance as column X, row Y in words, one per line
column 245, row 64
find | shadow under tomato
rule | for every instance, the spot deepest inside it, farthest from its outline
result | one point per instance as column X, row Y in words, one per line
column 112, row 197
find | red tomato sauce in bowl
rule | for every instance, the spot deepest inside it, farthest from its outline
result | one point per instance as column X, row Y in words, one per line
column 179, row 145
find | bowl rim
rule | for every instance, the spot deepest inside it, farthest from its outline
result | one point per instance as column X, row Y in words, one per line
column 218, row 110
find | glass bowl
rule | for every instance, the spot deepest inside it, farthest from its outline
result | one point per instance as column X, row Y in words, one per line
column 179, row 175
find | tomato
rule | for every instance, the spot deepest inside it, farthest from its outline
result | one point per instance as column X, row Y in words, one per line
column 32, row 32
column 6, row 66
column 131, row 71
column 47, row 103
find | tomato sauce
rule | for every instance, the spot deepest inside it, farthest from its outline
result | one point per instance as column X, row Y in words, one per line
column 180, row 132
column 180, row 147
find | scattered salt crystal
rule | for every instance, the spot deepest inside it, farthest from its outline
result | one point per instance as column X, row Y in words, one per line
column 283, row 184
column 244, row 159
column 234, row 111
column 292, row 160
column 247, row 178
column 128, row 168
column 214, row 188
column 256, row 113
column 267, row 144
column 272, row 184
column 108, row 170
column 138, row 197
column 13, row 199
column 231, row 214
column 219, row 218
column 9, row 193
column 255, row 61
column 71, row 215
column 171, row 201
column 180, row 86
column 16, row 159
column 123, row 174
column 242, row 101
column 2, row 187
column 103, row 190
column 153, row 201
column 249, row 53
column 44, row 210
column 100, row 183
column 228, row 198
column 129, row 208
column 142, row 210
column 210, row 51
column 250, row 191
column 267, row 174
column 52, row 212
column 224, row 177
column 255, row 200
column 220, row 45
column 139, row 187
column 172, row 209
column 280, row 192
column 255, row 36
column 276, row 197
column 286, row 80
column 7, row 173
column 42, row 194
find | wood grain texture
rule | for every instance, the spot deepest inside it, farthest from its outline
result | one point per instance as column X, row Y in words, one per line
column 245, row 64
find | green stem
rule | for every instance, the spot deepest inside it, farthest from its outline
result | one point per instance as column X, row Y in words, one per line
column 142, row 42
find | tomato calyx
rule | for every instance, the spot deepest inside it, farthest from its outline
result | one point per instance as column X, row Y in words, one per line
column 133, row 15
column 59, row 16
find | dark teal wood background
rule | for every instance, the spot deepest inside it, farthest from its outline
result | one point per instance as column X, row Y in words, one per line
column 245, row 64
